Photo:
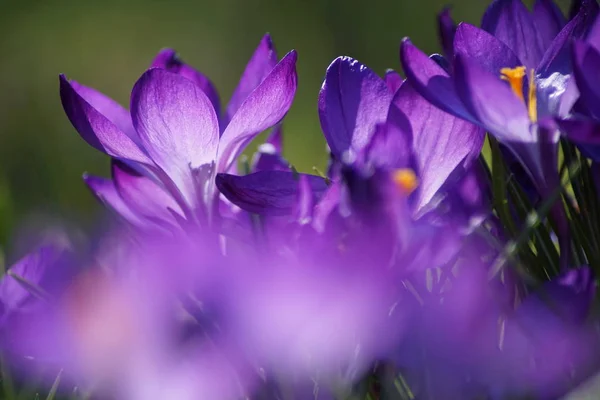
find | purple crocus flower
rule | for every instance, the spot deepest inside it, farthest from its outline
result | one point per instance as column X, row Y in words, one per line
column 173, row 141
column 508, row 49
column 30, row 281
column 583, row 124
column 475, row 336
column 367, row 127
column 503, row 82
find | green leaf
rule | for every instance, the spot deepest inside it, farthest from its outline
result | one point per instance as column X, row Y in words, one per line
column 54, row 387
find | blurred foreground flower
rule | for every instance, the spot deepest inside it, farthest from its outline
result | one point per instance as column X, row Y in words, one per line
column 411, row 269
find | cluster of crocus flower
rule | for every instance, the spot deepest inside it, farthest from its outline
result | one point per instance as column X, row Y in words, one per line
column 414, row 268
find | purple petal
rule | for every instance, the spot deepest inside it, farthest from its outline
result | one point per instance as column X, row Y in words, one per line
column 263, row 108
column 393, row 80
column 485, row 49
column 431, row 81
column 441, row 61
column 168, row 59
column 586, row 60
column 511, row 22
column 557, row 57
column 541, row 157
column 440, row 140
column 391, row 145
column 268, row 192
column 554, row 95
column 268, row 156
column 549, row 20
column 144, row 196
column 32, row 268
column 327, row 204
column 258, row 68
column 106, row 106
column 106, row 191
column 305, row 202
column 177, row 124
column 585, row 134
column 268, row 160
column 100, row 121
column 352, row 101
column 568, row 99
column 498, row 109
column 569, row 295
column 593, row 36
column 446, row 31
column 275, row 138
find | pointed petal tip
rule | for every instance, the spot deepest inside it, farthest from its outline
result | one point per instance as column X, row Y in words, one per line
column 292, row 55
column 406, row 47
column 222, row 181
column 267, row 40
column 164, row 57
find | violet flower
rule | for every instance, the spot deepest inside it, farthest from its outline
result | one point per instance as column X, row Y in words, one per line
column 583, row 123
column 31, row 281
column 173, row 141
column 477, row 340
column 368, row 127
column 507, row 50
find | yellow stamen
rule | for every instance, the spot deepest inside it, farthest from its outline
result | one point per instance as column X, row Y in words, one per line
column 532, row 100
column 514, row 76
column 406, row 180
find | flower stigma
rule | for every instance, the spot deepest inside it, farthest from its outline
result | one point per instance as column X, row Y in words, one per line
column 406, row 180
column 514, row 77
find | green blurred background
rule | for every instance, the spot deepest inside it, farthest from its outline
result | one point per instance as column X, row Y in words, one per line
column 108, row 44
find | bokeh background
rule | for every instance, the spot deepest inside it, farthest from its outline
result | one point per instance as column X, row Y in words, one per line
column 108, row 44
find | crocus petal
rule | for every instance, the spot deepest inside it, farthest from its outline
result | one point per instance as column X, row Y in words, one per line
column 557, row 58
column 106, row 106
column 593, row 36
column 113, row 137
column 446, row 31
column 572, row 293
column 106, row 191
column 328, row 203
column 258, row 68
column 275, row 138
column 391, row 144
column 268, row 155
column 305, row 201
column 549, row 20
column 485, row 49
column 586, row 60
column 393, row 80
column 168, row 59
column 568, row 99
column 32, row 268
column 431, row 81
column 511, row 22
column 144, row 196
column 263, row 108
column 585, row 134
column 266, row 192
column 352, row 101
column 441, row 142
column 489, row 98
column 177, row 125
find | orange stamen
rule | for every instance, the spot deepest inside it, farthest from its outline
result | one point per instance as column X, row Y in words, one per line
column 514, row 76
column 406, row 180
column 532, row 99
